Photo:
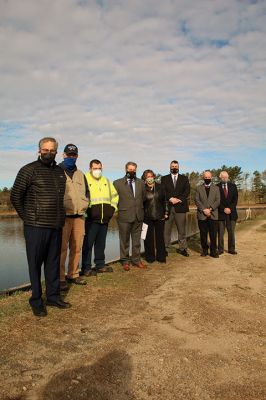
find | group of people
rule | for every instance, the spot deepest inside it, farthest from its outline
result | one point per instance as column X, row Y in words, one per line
column 65, row 210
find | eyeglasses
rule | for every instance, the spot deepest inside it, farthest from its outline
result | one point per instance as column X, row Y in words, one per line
column 46, row 151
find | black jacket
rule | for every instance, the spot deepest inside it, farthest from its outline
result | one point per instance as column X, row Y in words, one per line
column 228, row 202
column 181, row 191
column 155, row 205
column 38, row 195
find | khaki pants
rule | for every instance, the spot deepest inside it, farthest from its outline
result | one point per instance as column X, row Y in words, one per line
column 72, row 238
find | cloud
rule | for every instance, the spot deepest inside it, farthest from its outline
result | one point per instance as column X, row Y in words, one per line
column 148, row 81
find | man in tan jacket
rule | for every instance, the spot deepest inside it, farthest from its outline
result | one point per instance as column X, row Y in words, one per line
column 76, row 202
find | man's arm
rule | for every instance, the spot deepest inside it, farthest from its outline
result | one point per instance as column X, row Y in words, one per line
column 19, row 190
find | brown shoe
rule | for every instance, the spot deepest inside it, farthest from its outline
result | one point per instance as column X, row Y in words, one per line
column 140, row 265
column 77, row 281
column 126, row 267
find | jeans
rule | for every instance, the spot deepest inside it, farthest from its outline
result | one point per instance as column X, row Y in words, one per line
column 95, row 235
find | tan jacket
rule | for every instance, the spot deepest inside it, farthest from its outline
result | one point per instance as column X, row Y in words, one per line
column 75, row 200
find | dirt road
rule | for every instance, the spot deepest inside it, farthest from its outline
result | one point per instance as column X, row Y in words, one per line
column 193, row 329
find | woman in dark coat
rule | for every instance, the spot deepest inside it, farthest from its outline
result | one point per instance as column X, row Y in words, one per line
column 155, row 212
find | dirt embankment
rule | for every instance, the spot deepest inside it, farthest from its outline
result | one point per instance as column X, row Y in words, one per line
column 193, row 329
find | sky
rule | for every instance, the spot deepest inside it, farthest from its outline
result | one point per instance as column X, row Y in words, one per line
column 146, row 81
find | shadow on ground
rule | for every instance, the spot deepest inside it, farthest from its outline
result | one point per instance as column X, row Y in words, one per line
column 107, row 379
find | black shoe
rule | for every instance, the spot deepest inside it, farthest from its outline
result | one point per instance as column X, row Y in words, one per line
column 77, row 281
column 166, row 253
column 214, row 255
column 232, row 252
column 204, row 254
column 220, row 252
column 90, row 272
column 39, row 311
column 63, row 286
column 59, row 304
column 183, row 252
column 105, row 268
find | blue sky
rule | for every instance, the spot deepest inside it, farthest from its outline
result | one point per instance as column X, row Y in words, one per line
column 147, row 81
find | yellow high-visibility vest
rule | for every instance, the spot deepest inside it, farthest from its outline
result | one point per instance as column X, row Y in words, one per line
column 102, row 191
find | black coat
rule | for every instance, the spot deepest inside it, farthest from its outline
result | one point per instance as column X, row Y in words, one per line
column 228, row 202
column 155, row 205
column 38, row 195
column 181, row 191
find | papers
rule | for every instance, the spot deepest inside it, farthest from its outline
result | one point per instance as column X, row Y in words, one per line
column 144, row 231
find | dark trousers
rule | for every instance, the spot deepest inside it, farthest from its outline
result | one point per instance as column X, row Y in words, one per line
column 43, row 246
column 154, row 243
column 129, row 230
column 230, row 227
column 95, row 235
column 208, row 226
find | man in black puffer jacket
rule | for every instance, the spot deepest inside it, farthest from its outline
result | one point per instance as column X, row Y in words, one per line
column 38, row 197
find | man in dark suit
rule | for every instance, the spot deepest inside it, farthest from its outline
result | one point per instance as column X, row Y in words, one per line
column 207, row 200
column 227, row 213
column 131, row 191
column 177, row 190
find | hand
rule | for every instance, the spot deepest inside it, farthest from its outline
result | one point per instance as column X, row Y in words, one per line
column 227, row 211
column 207, row 212
column 166, row 216
column 174, row 200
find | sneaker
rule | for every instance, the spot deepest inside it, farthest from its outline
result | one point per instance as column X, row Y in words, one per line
column 77, row 281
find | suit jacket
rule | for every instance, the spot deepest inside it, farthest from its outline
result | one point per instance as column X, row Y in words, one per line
column 130, row 207
column 181, row 191
column 228, row 202
column 212, row 201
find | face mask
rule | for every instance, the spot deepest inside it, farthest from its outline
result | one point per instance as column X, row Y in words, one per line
column 47, row 158
column 150, row 180
column 207, row 181
column 70, row 163
column 97, row 173
column 131, row 174
column 174, row 170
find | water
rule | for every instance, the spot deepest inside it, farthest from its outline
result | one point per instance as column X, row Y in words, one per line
column 13, row 262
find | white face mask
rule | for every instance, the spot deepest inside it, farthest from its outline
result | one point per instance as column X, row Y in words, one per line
column 97, row 173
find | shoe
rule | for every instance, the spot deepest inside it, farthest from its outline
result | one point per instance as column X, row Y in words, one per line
column 77, row 281
column 39, row 311
column 59, row 304
column 220, row 252
column 63, row 286
column 106, row 268
column 90, row 272
column 161, row 262
column 214, row 255
column 126, row 267
column 204, row 254
column 183, row 252
column 232, row 252
column 139, row 265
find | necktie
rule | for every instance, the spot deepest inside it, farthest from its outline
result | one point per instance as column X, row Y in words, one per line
column 225, row 190
column 174, row 181
column 131, row 185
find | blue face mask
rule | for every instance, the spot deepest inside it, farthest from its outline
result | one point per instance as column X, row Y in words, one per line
column 70, row 163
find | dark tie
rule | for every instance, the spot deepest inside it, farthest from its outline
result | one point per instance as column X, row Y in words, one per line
column 131, row 185
column 174, row 181
column 225, row 190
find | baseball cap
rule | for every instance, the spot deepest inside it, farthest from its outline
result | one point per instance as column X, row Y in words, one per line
column 71, row 149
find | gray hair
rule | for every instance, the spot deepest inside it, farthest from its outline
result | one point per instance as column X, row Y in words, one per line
column 48, row 139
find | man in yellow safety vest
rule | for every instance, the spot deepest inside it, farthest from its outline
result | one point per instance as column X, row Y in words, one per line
column 102, row 205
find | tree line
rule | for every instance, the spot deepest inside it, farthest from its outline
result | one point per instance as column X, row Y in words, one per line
column 252, row 187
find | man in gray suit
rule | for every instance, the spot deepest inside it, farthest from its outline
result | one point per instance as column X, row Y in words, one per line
column 131, row 191
column 207, row 200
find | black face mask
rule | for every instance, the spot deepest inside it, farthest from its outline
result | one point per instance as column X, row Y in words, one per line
column 174, row 170
column 131, row 174
column 47, row 158
column 207, row 181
